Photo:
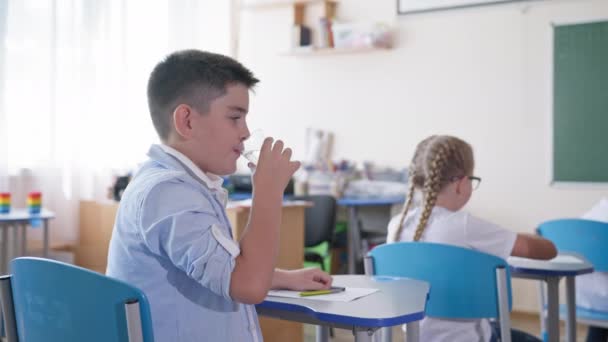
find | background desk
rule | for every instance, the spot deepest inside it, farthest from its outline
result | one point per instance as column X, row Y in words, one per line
column 21, row 218
column 564, row 265
column 399, row 301
column 354, row 206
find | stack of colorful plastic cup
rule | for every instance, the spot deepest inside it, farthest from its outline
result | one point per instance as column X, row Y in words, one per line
column 34, row 202
column 5, row 202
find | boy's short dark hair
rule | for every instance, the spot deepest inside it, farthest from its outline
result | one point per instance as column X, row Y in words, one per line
column 191, row 77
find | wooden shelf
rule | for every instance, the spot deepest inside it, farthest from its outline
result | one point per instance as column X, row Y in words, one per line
column 261, row 4
column 316, row 31
column 331, row 51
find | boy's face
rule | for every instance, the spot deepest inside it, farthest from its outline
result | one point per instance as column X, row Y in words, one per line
column 217, row 136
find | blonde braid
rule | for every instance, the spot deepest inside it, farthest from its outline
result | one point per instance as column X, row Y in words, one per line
column 432, row 186
column 406, row 207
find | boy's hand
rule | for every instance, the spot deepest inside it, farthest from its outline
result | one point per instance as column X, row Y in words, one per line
column 304, row 279
column 275, row 168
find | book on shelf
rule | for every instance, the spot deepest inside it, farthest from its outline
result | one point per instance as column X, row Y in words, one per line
column 322, row 37
column 326, row 37
column 301, row 36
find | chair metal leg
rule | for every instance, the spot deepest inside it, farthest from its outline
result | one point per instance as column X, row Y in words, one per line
column 368, row 264
column 503, row 305
column 134, row 328
column 353, row 240
column 8, row 310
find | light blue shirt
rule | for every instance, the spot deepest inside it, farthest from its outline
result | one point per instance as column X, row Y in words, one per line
column 172, row 239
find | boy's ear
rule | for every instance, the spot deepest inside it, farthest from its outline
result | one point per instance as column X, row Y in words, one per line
column 182, row 120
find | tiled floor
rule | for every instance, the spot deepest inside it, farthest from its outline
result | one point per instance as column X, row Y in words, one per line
column 522, row 321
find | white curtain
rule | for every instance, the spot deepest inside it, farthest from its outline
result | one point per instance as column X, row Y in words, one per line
column 73, row 73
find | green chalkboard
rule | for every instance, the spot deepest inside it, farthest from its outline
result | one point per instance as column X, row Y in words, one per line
column 580, row 102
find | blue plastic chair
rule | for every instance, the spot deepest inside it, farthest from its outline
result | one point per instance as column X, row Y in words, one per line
column 589, row 239
column 465, row 284
column 47, row 300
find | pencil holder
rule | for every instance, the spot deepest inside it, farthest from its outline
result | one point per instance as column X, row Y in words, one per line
column 34, row 202
column 5, row 202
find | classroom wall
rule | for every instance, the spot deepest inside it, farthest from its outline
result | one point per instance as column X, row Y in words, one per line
column 483, row 74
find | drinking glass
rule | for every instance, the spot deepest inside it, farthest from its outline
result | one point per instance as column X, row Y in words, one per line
column 253, row 145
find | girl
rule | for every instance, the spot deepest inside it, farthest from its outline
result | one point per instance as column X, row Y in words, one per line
column 442, row 170
column 592, row 289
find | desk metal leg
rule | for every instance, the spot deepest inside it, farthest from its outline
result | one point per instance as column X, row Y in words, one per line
column 4, row 252
column 571, row 308
column 353, row 239
column 542, row 310
column 45, row 232
column 322, row 333
column 412, row 331
column 16, row 244
column 553, row 309
column 386, row 334
column 364, row 335
column 23, row 250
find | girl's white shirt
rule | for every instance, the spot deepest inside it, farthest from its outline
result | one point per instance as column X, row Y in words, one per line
column 457, row 228
column 592, row 289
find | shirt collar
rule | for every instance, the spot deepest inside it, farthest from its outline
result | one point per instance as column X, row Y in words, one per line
column 214, row 182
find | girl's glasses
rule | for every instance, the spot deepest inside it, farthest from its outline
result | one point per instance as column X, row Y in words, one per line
column 475, row 181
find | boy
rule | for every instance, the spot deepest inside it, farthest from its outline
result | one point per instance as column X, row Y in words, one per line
column 172, row 238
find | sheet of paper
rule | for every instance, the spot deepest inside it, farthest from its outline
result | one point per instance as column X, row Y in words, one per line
column 567, row 259
column 560, row 261
column 349, row 294
column 247, row 203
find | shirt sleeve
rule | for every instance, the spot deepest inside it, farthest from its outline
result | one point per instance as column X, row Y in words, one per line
column 488, row 237
column 179, row 223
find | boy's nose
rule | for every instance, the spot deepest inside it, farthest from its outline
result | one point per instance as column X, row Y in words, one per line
column 246, row 134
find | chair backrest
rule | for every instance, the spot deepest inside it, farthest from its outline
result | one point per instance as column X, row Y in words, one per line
column 463, row 281
column 54, row 301
column 585, row 237
column 320, row 219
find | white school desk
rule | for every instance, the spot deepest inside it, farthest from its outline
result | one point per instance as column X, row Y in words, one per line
column 354, row 229
column 398, row 301
column 567, row 265
column 21, row 218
